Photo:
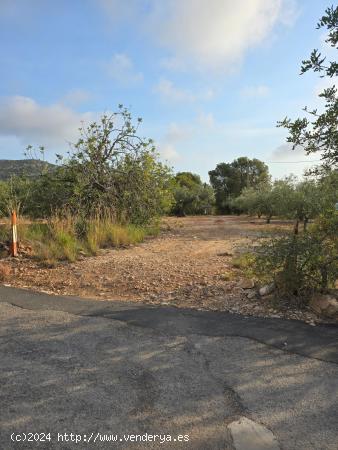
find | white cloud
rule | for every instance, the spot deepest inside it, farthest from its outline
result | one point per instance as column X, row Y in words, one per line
column 255, row 91
column 216, row 32
column 169, row 153
column 174, row 135
column 283, row 161
column 206, row 34
column 170, row 93
column 32, row 123
column 289, row 13
column 121, row 69
column 285, row 152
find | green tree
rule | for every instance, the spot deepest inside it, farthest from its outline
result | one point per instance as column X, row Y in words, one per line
column 318, row 131
column 287, row 198
column 111, row 168
column 229, row 179
column 15, row 195
column 50, row 191
column 191, row 195
column 300, row 201
column 301, row 264
column 262, row 200
column 308, row 203
column 188, row 179
column 328, row 186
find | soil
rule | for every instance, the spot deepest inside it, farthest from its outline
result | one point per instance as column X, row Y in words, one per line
column 189, row 265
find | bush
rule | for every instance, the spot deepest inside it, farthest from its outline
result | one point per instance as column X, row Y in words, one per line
column 243, row 262
column 191, row 196
column 300, row 264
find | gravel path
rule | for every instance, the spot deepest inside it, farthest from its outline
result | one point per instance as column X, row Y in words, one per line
column 190, row 265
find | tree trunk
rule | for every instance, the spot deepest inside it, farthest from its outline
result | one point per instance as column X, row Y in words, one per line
column 268, row 219
column 306, row 221
column 296, row 227
column 324, row 278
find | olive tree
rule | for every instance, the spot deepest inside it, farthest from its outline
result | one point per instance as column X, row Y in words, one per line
column 229, row 179
column 318, row 132
column 258, row 201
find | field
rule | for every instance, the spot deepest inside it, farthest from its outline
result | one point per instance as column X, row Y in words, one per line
column 192, row 263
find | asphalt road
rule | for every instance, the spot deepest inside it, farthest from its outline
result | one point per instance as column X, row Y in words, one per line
column 109, row 368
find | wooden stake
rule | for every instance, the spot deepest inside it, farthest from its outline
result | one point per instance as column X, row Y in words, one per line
column 14, row 235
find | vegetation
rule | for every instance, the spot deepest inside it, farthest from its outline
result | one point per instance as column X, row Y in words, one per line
column 318, row 133
column 229, row 180
column 111, row 189
column 260, row 201
column 300, row 264
column 111, row 167
column 25, row 167
column 290, row 199
column 108, row 191
column 191, row 195
column 66, row 237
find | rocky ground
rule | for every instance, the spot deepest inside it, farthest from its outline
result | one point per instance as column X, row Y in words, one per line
column 190, row 265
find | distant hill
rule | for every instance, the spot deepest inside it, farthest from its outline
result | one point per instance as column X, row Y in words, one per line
column 28, row 167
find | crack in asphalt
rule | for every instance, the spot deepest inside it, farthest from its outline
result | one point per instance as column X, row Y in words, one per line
column 197, row 344
column 162, row 333
column 232, row 397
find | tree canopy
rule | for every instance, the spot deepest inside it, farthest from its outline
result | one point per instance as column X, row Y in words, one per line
column 229, row 179
column 110, row 169
column 191, row 195
column 318, row 132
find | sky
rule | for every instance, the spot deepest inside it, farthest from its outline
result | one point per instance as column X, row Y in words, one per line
column 210, row 78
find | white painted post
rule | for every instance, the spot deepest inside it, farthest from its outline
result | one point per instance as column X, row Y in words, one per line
column 14, row 235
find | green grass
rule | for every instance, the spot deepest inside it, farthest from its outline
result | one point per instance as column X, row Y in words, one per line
column 66, row 238
column 104, row 233
column 4, row 233
column 244, row 262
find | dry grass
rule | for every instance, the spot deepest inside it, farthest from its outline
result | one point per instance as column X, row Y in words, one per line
column 65, row 237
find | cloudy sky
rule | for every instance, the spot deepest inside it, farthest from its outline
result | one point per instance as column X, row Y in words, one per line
column 209, row 77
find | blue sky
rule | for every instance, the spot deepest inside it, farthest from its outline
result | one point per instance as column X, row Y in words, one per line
column 209, row 77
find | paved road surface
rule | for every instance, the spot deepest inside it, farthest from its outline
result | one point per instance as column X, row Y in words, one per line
column 81, row 366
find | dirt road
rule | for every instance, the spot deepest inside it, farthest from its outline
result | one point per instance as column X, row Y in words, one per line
column 189, row 265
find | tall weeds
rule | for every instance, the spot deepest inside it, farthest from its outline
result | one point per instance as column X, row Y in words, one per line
column 65, row 237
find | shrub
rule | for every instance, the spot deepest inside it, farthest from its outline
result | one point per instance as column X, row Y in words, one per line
column 243, row 261
column 300, row 264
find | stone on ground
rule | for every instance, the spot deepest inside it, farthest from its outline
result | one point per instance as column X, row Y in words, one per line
column 249, row 435
column 326, row 305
